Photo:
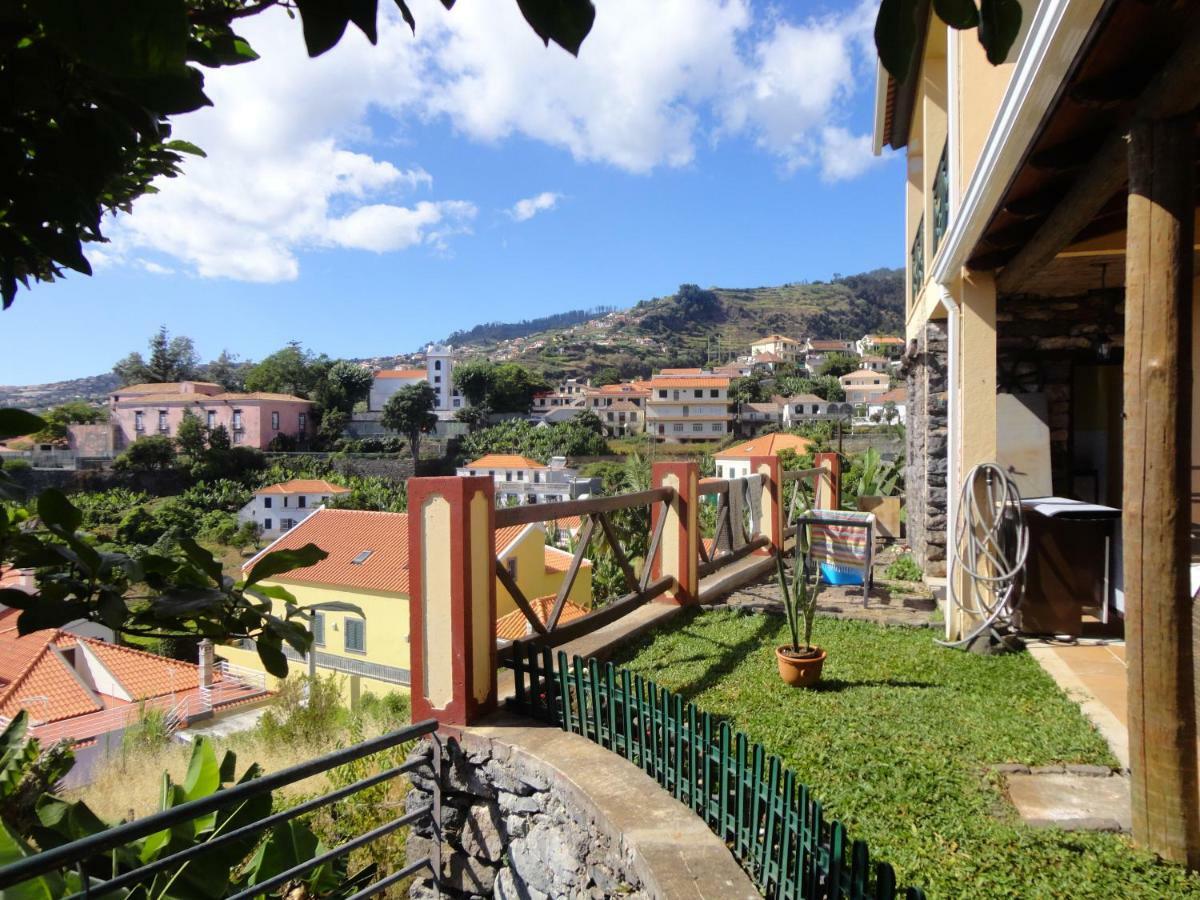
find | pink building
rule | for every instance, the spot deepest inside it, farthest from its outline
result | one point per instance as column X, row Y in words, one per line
column 252, row 420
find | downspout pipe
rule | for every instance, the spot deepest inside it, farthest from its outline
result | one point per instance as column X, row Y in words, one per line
column 953, row 430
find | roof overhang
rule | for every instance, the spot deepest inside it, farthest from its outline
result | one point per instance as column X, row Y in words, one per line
column 895, row 101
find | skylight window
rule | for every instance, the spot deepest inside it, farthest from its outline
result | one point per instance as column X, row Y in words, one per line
column 361, row 558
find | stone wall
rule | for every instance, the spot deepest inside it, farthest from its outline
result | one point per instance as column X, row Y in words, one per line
column 927, row 435
column 1039, row 341
column 512, row 831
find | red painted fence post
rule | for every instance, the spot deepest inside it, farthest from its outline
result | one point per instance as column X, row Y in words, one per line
column 452, row 598
column 772, row 522
column 828, row 494
column 679, row 550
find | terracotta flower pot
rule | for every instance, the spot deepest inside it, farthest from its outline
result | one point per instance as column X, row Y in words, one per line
column 802, row 671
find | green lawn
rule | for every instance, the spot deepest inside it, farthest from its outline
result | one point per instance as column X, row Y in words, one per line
column 898, row 744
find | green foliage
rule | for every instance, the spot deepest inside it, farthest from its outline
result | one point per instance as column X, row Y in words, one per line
column 171, row 359
column 152, row 453
column 410, row 412
column 754, row 388
column 372, row 492
column 870, row 476
column 582, row 436
column 800, row 598
column 17, row 464
column 191, row 437
column 222, row 494
column 827, row 387
column 306, row 711
column 139, row 527
column 837, row 365
column 500, row 387
column 292, row 370
column 27, row 772
column 333, row 425
column 898, row 32
column 226, row 371
column 345, row 384
column 148, row 733
column 903, row 568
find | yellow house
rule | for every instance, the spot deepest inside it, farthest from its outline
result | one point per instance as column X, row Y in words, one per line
column 786, row 348
column 1050, row 235
column 367, row 565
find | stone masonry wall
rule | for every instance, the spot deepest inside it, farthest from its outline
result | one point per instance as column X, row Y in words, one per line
column 1038, row 343
column 512, row 833
column 927, row 433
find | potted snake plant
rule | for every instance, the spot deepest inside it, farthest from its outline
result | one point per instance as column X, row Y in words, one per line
column 800, row 663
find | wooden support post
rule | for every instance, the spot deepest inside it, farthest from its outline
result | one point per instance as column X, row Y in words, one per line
column 772, row 522
column 452, row 598
column 828, row 491
column 1156, row 516
column 679, row 551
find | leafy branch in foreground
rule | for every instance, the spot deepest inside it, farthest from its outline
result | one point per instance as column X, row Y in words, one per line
column 148, row 594
column 90, row 89
column 897, row 29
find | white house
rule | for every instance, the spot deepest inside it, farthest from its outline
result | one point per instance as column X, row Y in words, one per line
column 863, row 386
column 438, row 371
column 735, row 462
column 281, row 507
column 520, row 479
column 688, row 405
column 801, row 408
column 878, row 410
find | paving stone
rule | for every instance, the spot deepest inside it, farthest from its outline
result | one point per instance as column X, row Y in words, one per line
column 1047, row 770
column 1011, row 769
column 1071, row 802
column 1086, row 769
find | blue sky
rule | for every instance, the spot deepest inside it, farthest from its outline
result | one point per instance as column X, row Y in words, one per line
column 367, row 202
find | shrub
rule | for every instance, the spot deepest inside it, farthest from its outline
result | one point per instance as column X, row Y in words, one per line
column 107, row 507
column 18, row 464
column 306, row 711
column 224, row 494
column 903, row 568
column 150, row 732
column 139, row 527
column 147, row 454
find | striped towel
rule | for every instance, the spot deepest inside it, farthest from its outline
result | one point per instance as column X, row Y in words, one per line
column 842, row 551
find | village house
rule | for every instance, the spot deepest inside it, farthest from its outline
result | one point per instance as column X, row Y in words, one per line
column 753, row 418
column 785, row 348
column 368, row 565
column 874, row 363
column 546, row 401
column 863, row 386
column 252, row 420
column 520, row 479
column 889, row 408
column 687, row 405
column 281, row 507
column 438, row 371
column 735, row 461
column 880, row 345
column 1050, row 214
column 800, row 409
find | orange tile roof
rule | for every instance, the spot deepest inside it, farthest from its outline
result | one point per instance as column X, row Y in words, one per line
column 767, row 445
column 18, row 651
column 670, row 372
column 568, row 523
column 202, row 399
column 776, row 338
column 860, row 373
column 560, row 560
column 704, row 381
column 504, row 461
column 345, row 533
column 898, row 395
column 767, row 358
column 514, row 625
column 144, row 675
column 875, row 339
column 48, row 688
column 401, row 373
column 625, row 388
column 829, row 345
column 163, row 387
column 304, row 486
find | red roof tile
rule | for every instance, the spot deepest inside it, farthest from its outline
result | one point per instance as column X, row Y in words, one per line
column 304, row 486
column 514, row 625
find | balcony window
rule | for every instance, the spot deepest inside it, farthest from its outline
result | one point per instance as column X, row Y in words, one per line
column 139, row 421
column 237, row 420
column 941, row 202
column 916, row 260
column 274, row 421
column 211, row 419
column 162, row 421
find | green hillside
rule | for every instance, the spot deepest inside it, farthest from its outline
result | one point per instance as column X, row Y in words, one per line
column 699, row 326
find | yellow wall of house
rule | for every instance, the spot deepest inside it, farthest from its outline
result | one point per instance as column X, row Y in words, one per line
column 980, row 87
column 533, row 579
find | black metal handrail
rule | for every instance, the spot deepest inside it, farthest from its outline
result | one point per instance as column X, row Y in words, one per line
column 74, row 854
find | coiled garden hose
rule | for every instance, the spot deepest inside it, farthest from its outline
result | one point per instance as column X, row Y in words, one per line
column 991, row 544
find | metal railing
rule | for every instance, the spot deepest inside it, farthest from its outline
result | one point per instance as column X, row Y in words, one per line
column 593, row 512
column 916, row 262
column 941, row 202
column 96, row 859
column 773, row 824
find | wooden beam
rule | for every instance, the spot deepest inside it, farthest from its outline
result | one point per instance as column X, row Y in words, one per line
column 1172, row 92
column 1156, row 518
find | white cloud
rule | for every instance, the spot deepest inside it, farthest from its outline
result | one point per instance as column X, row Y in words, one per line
column 526, row 209
column 295, row 161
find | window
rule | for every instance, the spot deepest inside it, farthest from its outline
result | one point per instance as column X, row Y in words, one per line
column 678, row 426
column 287, row 524
column 212, row 419
column 717, row 426
column 303, row 423
column 437, row 365
column 139, row 423
column 720, row 472
column 697, row 427
column 511, row 565
column 285, row 501
column 237, row 420
column 361, row 558
column 162, row 421
column 238, row 435
column 274, row 421
column 266, row 524
column 318, row 629
column 457, row 403
column 437, row 379
column 610, row 416
column 662, row 395
column 508, row 476
column 686, row 410
column 266, row 502
column 698, row 393
column 302, row 501
column 356, row 635
column 714, row 393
